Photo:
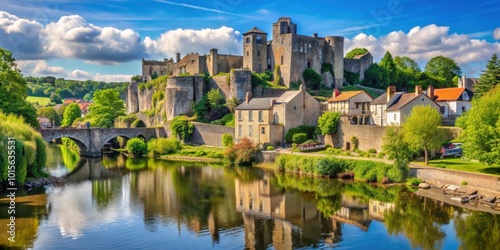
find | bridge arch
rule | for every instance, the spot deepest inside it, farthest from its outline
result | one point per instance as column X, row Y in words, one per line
column 82, row 144
column 127, row 136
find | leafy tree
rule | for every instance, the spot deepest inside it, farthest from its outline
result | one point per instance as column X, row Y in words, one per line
column 88, row 96
column 489, row 78
column 328, row 122
column 231, row 104
column 397, row 149
column 443, row 67
column 215, row 99
column 481, row 124
column 137, row 147
column 404, row 62
column 201, row 108
column 14, row 89
column 51, row 114
column 71, row 113
column 181, row 127
column 55, row 98
column 312, row 78
column 388, row 63
column 355, row 52
column 421, row 129
column 106, row 108
column 376, row 76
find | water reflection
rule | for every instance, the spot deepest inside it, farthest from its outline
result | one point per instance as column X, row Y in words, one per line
column 117, row 202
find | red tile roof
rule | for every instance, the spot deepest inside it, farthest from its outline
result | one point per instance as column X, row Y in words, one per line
column 448, row 94
column 344, row 96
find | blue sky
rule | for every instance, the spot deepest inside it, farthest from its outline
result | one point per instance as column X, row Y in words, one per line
column 105, row 40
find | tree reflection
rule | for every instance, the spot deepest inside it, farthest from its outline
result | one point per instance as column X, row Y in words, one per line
column 478, row 230
column 70, row 157
column 419, row 219
column 103, row 191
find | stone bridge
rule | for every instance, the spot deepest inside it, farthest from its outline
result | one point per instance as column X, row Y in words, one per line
column 90, row 141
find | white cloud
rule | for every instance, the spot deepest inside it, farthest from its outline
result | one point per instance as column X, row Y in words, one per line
column 225, row 39
column 21, row 36
column 423, row 43
column 496, row 33
column 42, row 68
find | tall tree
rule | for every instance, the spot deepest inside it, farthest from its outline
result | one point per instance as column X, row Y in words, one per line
column 404, row 63
column 106, row 108
column 376, row 76
column 71, row 113
column 443, row 67
column 51, row 114
column 397, row 149
column 421, row 130
column 388, row 63
column 215, row 99
column 489, row 78
column 14, row 90
column 481, row 124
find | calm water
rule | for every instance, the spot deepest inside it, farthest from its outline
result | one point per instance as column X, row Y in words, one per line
column 120, row 203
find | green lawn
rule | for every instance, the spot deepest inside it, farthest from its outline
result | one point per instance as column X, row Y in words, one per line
column 201, row 151
column 457, row 163
column 43, row 101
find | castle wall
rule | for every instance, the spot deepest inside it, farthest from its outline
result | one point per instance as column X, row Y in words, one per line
column 145, row 99
column 221, row 83
column 358, row 65
column 132, row 99
column 227, row 62
column 240, row 83
column 337, row 43
column 282, row 56
column 369, row 136
column 149, row 67
column 180, row 93
column 306, row 53
column 209, row 134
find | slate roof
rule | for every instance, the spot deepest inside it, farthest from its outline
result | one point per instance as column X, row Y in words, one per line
column 255, row 30
column 187, row 58
column 448, row 94
column 287, row 96
column 346, row 95
column 402, row 100
column 256, row 104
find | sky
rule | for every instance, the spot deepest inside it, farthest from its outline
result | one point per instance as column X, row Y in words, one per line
column 105, row 40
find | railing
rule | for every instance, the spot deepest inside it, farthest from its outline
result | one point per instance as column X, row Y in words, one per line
column 308, row 147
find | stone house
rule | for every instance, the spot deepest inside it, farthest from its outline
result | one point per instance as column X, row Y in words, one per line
column 359, row 64
column 453, row 101
column 350, row 102
column 44, row 122
column 266, row 120
column 392, row 107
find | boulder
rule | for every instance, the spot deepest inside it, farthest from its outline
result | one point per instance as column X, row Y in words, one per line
column 424, row 185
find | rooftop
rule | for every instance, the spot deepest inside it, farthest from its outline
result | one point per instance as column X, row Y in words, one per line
column 346, row 95
column 255, row 30
column 448, row 94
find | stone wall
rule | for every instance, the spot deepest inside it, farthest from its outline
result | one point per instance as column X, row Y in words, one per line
column 209, row 134
column 240, row 83
column 369, row 136
column 220, row 82
column 358, row 65
column 145, row 99
column 438, row 177
column 227, row 62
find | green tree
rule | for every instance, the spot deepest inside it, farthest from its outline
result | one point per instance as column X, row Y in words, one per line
column 231, row 104
column 397, row 149
column 106, row 108
column 388, row 63
column 51, row 114
column 215, row 99
column 181, row 127
column 55, row 98
column 137, row 147
column 376, row 77
column 489, row 78
column 14, row 89
column 356, row 52
column 404, row 62
column 71, row 113
column 328, row 122
column 443, row 67
column 481, row 124
column 312, row 79
column 421, row 129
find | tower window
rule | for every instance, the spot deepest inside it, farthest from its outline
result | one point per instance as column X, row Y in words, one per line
column 248, row 53
column 281, row 60
column 247, row 40
column 309, row 64
column 259, row 39
column 258, row 52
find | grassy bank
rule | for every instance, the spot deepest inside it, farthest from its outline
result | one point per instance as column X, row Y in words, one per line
column 42, row 101
column 457, row 163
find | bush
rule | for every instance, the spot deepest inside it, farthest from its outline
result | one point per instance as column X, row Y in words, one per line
column 270, row 148
column 299, row 138
column 137, row 147
column 312, row 78
column 227, row 140
column 355, row 142
column 334, row 151
column 381, row 155
column 372, row 151
column 309, row 130
column 242, row 153
column 162, row 146
column 414, row 181
column 464, row 183
column 182, row 127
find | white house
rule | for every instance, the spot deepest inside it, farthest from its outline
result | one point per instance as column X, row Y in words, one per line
column 453, row 101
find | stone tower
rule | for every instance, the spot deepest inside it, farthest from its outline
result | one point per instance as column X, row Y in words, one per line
column 255, row 50
column 337, row 44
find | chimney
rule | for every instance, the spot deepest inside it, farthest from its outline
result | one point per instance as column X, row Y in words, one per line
column 315, row 35
column 248, row 96
column 418, row 89
column 178, row 57
column 430, row 92
column 391, row 90
column 302, row 87
column 273, row 102
column 336, row 92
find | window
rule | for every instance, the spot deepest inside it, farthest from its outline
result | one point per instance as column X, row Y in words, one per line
column 309, row 64
column 258, row 52
column 263, row 130
column 239, row 116
column 250, row 130
column 294, row 108
column 281, row 60
column 463, row 109
column 261, row 116
column 239, row 130
column 261, row 206
column 247, row 40
column 259, row 39
column 250, row 116
column 442, row 109
column 250, row 204
column 248, row 53
column 241, row 202
column 394, row 116
column 465, row 96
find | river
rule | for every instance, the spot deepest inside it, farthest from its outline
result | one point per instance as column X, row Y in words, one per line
column 119, row 203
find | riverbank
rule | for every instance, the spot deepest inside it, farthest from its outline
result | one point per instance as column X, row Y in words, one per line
column 44, row 181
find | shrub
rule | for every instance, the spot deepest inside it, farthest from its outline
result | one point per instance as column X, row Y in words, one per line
column 414, row 181
column 270, row 148
column 309, row 130
column 354, row 141
column 241, row 153
column 372, row 151
column 464, row 183
column 334, row 151
column 312, row 79
column 182, row 127
column 328, row 122
column 381, row 155
column 137, row 147
column 227, row 140
column 299, row 138
column 162, row 146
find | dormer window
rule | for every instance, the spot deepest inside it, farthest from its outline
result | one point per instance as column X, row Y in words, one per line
column 259, row 39
column 465, row 96
column 247, row 40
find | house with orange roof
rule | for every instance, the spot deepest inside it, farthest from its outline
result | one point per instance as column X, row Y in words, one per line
column 350, row 102
column 84, row 107
column 453, row 101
